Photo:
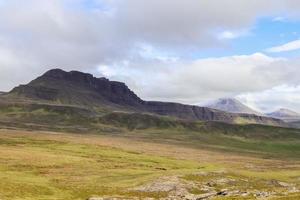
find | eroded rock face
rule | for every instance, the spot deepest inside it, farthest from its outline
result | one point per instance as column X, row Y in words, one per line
column 78, row 88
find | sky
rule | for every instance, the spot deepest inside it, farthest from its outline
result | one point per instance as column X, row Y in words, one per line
column 188, row 51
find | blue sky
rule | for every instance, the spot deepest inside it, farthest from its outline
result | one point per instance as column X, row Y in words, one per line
column 263, row 34
column 172, row 50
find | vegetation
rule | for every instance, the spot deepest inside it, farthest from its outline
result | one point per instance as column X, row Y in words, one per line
column 39, row 168
column 111, row 154
column 39, row 165
column 265, row 141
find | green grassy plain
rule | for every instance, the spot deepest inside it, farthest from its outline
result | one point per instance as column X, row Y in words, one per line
column 51, row 165
column 53, row 152
column 34, row 167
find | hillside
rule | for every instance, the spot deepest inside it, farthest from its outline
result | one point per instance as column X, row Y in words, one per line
column 83, row 90
column 232, row 105
column 295, row 124
column 285, row 115
column 68, row 135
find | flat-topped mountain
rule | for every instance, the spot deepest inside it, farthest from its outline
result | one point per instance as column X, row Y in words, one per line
column 81, row 89
column 285, row 114
column 232, row 105
column 77, row 88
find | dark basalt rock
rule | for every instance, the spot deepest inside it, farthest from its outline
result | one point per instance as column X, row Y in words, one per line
column 188, row 112
column 77, row 88
column 38, row 92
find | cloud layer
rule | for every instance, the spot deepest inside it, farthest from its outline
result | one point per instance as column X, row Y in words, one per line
column 291, row 46
column 148, row 44
column 205, row 79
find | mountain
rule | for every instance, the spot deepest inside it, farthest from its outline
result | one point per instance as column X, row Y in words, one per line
column 77, row 89
column 295, row 124
column 232, row 105
column 285, row 114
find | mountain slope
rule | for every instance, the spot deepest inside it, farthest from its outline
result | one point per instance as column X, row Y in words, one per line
column 295, row 124
column 80, row 89
column 232, row 105
column 77, row 88
column 285, row 114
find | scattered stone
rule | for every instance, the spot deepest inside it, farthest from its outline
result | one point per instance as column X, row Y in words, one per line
column 224, row 181
column 161, row 168
column 95, row 198
column 244, row 194
column 179, row 189
column 223, row 192
column 211, row 184
column 162, row 185
column 283, row 184
column 114, row 198
column 293, row 190
column 263, row 194
column 205, row 196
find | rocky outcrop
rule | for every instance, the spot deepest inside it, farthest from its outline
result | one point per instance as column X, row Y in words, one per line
column 79, row 89
column 209, row 186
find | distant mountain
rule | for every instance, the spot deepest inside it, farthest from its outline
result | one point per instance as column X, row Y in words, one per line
column 295, row 124
column 1, row 93
column 85, row 91
column 285, row 114
column 232, row 105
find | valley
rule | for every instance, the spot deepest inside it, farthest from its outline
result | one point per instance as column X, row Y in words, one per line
column 69, row 135
column 149, row 100
column 52, row 165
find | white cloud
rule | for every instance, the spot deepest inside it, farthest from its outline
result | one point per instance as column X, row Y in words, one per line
column 291, row 46
column 279, row 19
column 283, row 96
column 228, row 35
column 206, row 79
column 148, row 44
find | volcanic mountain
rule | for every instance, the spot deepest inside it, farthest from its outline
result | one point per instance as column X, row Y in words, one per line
column 231, row 105
column 285, row 114
column 82, row 90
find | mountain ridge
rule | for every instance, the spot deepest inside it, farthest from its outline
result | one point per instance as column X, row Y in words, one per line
column 83, row 89
column 285, row 115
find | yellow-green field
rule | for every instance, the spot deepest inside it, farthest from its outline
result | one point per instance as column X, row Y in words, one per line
column 50, row 165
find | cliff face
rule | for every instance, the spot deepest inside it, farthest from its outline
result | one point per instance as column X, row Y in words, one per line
column 82, row 89
column 77, row 88
column 187, row 111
